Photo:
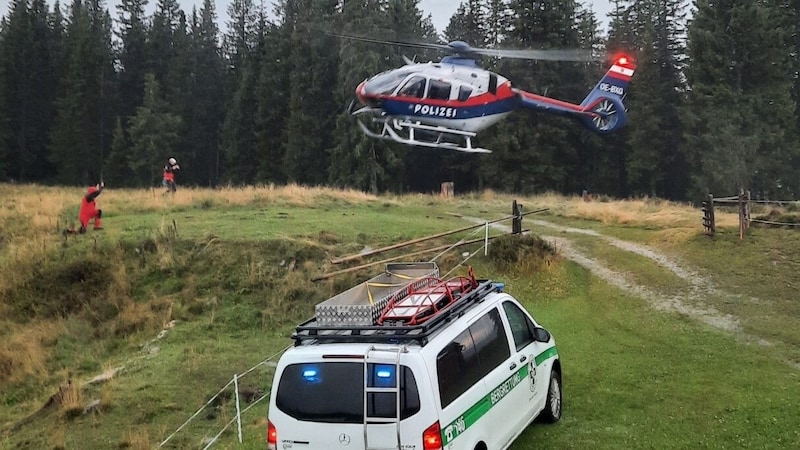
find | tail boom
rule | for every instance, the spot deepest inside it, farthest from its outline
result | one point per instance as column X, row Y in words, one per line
column 602, row 110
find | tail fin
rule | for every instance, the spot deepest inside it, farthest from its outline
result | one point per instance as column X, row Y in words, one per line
column 605, row 100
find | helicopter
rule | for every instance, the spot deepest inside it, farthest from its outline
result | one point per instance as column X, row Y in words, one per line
column 446, row 104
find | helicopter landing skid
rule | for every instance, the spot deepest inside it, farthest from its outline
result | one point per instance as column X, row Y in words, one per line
column 392, row 129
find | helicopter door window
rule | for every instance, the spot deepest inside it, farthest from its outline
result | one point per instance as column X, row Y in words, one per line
column 439, row 90
column 464, row 92
column 415, row 87
column 493, row 84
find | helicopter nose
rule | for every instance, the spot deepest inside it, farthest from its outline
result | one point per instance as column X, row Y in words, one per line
column 366, row 96
column 361, row 92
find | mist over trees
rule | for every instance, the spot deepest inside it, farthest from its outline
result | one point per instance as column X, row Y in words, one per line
column 88, row 93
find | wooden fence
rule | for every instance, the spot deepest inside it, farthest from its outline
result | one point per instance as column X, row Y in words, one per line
column 744, row 203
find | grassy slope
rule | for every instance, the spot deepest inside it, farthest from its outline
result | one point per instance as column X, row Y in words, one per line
column 638, row 379
column 633, row 377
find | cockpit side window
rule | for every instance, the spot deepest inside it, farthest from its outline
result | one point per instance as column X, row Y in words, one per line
column 464, row 92
column 439, row 90
column 415, row 87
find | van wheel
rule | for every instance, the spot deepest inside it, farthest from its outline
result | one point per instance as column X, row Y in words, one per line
column 552, row 407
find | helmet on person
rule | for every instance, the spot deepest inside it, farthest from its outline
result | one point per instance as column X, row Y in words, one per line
column 172, row 161
column 91, row 189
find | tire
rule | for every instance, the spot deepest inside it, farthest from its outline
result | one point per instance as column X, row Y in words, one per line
column 553, row 404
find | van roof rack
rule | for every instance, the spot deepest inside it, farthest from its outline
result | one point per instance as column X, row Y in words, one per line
column 396, row 325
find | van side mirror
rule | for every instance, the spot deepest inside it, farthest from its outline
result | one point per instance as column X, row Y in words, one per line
column 541, row 335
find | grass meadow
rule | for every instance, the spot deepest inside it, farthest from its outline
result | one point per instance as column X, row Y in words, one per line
column 179, row 293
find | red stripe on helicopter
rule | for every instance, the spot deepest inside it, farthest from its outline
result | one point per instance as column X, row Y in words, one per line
column 552, row 101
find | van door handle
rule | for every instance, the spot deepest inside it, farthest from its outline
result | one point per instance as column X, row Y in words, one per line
column 523, row 358
column 513, row 366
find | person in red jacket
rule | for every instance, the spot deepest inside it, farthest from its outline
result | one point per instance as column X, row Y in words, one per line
column 89, row 209
column 169, row 175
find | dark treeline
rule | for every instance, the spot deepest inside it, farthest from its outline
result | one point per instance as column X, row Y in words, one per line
column 86, row 93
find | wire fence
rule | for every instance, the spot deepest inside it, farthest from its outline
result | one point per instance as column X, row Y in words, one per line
column 225, row 407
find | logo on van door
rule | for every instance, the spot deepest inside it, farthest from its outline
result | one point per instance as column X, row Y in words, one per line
column 344, row 439
column 532, row 374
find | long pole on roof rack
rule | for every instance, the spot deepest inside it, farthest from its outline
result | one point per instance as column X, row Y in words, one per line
column 394, row 258
column 428, row 238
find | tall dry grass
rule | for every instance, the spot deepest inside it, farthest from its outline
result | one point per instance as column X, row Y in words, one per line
column 24, row 350
column 40, row 209
column 641, row 211
column 32, row 209
column 154, row 199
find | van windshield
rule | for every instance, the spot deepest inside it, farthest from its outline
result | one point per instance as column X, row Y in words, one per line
column 334, row 392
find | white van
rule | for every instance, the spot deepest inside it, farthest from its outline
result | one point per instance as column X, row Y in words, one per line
column 455, row 364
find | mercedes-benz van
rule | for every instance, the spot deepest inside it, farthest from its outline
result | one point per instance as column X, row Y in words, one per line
column 455, row 364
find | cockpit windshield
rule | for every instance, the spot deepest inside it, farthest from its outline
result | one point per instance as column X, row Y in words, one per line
column 385, row 83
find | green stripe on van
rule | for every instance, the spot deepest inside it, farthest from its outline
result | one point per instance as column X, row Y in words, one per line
column 482, row 406
column 550, row 352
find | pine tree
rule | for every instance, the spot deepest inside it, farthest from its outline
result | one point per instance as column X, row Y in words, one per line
column 30, row 81
column 133, row 59
column 117, row 170
column 208, row 106
column 496, row 22
column 4, row 119
column 354, row 158
column 82, row 131
column 153, row 134
column 791, row 16
column 161, row 39
column 740, row 105
column 242, row 52
column 272, row 102
column 468, row 24
column 313, row 61
column 656, row 165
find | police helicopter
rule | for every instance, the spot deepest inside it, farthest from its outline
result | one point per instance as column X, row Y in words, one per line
column 447, row 103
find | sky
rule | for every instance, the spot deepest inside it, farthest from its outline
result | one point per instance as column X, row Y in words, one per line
column 440, row 10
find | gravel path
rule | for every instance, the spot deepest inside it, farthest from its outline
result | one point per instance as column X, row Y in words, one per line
column 698, row 286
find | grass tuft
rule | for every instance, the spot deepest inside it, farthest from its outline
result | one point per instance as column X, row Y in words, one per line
column 521, row 254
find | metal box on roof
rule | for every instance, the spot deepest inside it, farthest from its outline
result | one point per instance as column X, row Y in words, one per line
column 363, row 303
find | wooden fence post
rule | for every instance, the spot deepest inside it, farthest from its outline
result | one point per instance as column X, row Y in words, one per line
column 447, row 189
column 747, row 211
column 742, row 214
column 516, row 222
column 709, row 227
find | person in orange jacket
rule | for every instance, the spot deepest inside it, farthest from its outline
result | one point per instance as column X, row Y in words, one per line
column 89, row 209
column 169, row 175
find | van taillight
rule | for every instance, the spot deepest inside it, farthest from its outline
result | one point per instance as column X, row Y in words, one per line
column 432, row 438
column 272, row 436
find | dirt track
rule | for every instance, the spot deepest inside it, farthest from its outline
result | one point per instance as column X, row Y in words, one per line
column 689, row 303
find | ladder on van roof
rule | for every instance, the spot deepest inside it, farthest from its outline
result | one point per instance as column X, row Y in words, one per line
column 390, row 357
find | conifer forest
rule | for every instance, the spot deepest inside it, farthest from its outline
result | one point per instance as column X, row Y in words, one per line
column 90, row 91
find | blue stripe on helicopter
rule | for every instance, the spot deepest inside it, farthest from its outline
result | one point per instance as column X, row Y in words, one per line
column 415, row 109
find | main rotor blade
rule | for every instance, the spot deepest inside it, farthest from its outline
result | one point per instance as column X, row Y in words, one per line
column 464, row 49
column 542, row 55
column 399, row 43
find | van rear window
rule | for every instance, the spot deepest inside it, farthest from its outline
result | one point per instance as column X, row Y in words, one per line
column 334, row 392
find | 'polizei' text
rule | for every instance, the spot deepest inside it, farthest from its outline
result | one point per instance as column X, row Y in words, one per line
column 437, row 111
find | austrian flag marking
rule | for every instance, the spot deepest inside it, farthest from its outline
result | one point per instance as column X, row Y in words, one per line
column 619, row 70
